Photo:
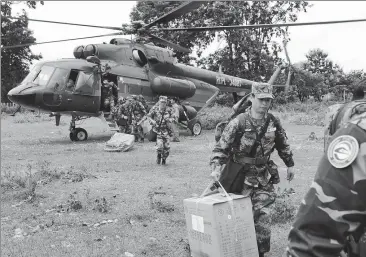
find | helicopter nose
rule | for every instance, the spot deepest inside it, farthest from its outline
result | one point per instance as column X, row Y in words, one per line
column 27, row 99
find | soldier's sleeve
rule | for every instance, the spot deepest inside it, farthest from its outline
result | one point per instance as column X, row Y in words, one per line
column 142, row 108
column 151, row 113
column 220, row 152
column 281, row 144
column 334, row 207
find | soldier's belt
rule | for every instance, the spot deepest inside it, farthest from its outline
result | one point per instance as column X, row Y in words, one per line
column 249, row 160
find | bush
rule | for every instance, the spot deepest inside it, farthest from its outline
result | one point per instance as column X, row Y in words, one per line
column 211, row 116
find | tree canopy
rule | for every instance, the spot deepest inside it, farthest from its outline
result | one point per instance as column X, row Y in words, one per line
column 250, row 54
column 15, row 61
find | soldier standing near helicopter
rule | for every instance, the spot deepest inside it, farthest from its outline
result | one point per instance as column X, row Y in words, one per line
column 137, row 112
column 161, row 118
column 175, row 107
column 241, row 159
column 122, row 116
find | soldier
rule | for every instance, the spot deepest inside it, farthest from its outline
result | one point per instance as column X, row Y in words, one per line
column 142, row 100
column 335, row 205
column 174, row 105
column 342, row 115
column 161, row 119
column 241, row 159
column 122, row 116
column 137, row 112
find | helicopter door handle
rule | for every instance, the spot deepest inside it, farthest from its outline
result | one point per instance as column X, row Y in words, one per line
column 69, row 99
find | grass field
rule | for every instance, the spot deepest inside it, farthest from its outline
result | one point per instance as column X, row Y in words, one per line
column 61, row 198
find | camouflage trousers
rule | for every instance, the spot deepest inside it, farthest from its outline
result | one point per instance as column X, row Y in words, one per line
column 262, row 199
column 138, row 132
column 162, row 146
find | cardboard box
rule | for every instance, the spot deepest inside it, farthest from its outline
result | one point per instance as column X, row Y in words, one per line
column 215, row 231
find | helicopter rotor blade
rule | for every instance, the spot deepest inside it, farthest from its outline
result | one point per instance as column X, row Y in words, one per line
column 56, row 41
column 234, row 27
column 169, row 43
column 175, row 13
column 68, row 23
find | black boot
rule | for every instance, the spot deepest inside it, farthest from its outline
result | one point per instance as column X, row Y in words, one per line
column 163, row 162
column 158, row 160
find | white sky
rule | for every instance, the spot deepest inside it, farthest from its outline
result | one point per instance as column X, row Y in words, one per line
column 345, row 43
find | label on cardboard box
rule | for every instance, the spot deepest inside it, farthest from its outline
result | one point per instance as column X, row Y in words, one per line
column 197, row 223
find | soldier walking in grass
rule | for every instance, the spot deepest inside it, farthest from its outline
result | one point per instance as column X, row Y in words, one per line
column 161, row 118
column 241, row 162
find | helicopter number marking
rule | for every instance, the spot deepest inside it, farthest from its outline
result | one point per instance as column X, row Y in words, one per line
column 234, row 82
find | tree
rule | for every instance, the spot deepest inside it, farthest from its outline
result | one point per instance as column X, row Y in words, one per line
column 307, row 83
column 15, row 61
column 249, row 53
column 318, row 62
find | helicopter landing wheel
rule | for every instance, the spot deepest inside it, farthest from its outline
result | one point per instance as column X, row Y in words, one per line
column 195, row 127
column 78, row 134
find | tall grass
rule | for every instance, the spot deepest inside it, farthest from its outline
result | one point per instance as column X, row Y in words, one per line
column 308, row 113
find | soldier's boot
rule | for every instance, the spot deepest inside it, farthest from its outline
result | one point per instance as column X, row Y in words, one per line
column 158, row 159
column 165, row 156
column 261, row 254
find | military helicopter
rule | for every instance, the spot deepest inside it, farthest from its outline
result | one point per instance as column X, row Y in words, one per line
column 136, row 68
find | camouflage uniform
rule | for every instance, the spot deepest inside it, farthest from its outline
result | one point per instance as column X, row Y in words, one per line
column 248, row 164
column 142, row 100
column 335, row 205
column 137, row 112
column 122, row 116
column 174, row 105
column 162, row 120
column 338, row 117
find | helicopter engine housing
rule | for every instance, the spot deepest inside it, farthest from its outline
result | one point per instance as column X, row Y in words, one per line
column 181, row 88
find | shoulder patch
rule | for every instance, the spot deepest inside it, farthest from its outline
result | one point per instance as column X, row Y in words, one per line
column 342, row 151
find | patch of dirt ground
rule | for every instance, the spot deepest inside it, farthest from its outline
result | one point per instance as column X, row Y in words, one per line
column 61, row 198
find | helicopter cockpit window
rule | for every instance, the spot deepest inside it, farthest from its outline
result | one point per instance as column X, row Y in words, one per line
column 71, row 80
column 44, row 75
column 58, row 79
column 84, row 84
column 32, row 74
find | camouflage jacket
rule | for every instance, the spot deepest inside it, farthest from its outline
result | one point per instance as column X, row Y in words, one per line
column 136, row 110
column 335, row 205
column 238, row 138
column 122, row 110
column 163, row 120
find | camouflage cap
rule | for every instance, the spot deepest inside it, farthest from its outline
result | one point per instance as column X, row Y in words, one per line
column 163, row 99
column 262, row 90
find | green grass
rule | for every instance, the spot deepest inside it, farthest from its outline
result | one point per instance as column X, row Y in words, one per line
column 88, row 202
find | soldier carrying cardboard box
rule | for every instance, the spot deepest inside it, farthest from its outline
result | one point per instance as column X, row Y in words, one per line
column 241, row 162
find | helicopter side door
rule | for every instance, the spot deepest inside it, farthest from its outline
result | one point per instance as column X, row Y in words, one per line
column 84, row 94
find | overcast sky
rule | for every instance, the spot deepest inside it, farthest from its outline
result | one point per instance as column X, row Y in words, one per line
column 345, row 43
